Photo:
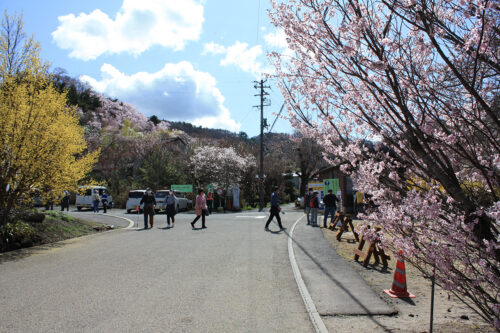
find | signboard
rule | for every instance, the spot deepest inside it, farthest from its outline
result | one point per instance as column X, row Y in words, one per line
column 318, row 187
column 210, row 188
column 331, row 184
column 182, row 188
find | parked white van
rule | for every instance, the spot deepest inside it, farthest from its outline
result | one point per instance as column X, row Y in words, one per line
column 84, row 197
column 133, row 200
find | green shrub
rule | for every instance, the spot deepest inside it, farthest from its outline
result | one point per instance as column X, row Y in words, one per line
column 16, row 232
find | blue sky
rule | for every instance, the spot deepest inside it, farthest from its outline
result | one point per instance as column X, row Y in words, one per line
column 188, row 60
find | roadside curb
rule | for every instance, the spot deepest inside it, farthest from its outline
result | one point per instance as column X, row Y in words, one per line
column 319, row 325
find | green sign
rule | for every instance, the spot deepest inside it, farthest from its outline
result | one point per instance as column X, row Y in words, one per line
column 210, row 188
column 182, row 188
column 331, row 184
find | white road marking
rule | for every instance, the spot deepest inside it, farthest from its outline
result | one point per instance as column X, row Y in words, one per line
column 252, row 216
column 319, row 325
column 130, row 222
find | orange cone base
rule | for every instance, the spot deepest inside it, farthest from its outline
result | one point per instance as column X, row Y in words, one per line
column 401, row 294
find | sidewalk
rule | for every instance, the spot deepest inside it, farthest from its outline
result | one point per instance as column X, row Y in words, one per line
column 335, row 287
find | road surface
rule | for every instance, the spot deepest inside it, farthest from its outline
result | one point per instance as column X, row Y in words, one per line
column 231, row 277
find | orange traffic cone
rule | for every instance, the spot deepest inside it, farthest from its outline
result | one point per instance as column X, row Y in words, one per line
column 399, row 283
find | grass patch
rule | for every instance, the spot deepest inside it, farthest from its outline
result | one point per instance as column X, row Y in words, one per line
column 56, row 226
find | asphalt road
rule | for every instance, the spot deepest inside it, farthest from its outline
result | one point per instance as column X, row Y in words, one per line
column 231, row 277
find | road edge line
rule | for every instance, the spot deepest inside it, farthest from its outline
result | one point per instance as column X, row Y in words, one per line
column 319, row 325
column 130, row 222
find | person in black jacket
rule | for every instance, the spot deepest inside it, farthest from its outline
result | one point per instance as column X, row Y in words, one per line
column 149, row 207
column 275, row 209
column 307, row 202
column 65, row 201
column 330, row 202
column 314, row 204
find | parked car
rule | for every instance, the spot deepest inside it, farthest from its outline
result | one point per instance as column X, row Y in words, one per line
column 299, row 202
column 84, row 197
column 182, row 201
column 134, row 199
column 161, row 202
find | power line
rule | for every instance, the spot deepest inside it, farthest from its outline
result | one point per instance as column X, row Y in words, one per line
column 279, row 114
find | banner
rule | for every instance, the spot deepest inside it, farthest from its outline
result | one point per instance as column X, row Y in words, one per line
column 236, row 196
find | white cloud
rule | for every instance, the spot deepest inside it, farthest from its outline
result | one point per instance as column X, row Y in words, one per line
column 246, row 58
column 176, row 92
column 276, row 39
column 137, row 26
column 213, row 48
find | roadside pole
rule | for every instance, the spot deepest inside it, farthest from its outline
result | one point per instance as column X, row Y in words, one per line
column 433, row 280
column 263, row 124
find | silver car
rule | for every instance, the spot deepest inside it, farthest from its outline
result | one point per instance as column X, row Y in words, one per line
column 161, row 200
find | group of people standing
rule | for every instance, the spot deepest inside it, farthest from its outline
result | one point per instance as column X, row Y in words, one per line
column 148, row 209
column 311, row 203
column 149, row 202
column 96, row 199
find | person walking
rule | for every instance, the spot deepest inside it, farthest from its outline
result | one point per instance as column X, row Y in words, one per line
column 149, row 207
column 95, row 201
column 330, row 202
column 314, row 204
column 200, row 208
column 104, row 200
column 171, row 208
column 275, row 209
column 210, row 201
column 307, row 202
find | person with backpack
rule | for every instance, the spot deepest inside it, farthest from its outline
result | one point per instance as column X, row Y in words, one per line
column 95, row 201
column 104, row 200
column 314, row 204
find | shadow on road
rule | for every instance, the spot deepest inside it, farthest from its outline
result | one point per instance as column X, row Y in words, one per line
column 26, row 252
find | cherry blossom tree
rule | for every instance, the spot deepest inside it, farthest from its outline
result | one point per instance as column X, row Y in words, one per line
column 129, row 142
column 222, row 166
column 404, row 95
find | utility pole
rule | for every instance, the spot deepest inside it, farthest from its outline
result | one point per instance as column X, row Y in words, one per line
column 263, row 124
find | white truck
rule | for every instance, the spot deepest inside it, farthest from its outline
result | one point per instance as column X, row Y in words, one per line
column 84, row 197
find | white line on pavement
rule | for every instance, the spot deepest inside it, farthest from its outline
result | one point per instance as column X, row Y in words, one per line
column 251, row 216
column 319, row 325
column 130, row 222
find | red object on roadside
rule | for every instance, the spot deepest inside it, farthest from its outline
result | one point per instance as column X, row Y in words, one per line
column 398, row 289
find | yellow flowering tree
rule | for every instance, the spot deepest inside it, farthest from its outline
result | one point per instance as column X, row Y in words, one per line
column 42, row 145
